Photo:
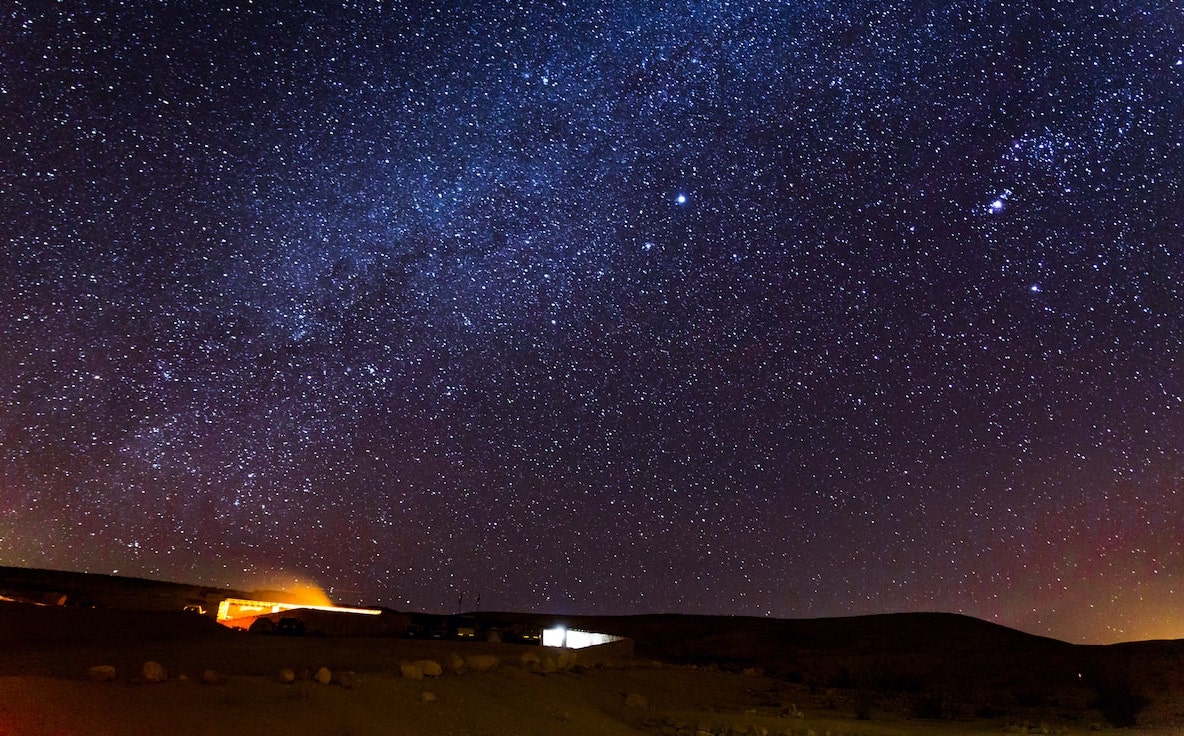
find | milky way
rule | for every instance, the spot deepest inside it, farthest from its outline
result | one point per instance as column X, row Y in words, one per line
column 763, row 308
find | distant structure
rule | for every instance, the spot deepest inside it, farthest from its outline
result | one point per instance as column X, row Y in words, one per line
column 240, row 613
column 575, row 638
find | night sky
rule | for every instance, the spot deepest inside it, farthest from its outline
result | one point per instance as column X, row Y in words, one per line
column 783, row 308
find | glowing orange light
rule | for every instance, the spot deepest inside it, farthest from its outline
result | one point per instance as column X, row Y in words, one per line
column 296, row 592
column 233, row 609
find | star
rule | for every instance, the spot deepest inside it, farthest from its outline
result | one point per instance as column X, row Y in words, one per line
column 709, row 313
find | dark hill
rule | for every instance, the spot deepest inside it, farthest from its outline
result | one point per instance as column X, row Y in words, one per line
column 93, row 590
column 901, row 651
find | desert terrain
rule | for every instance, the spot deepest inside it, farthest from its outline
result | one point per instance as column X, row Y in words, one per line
column 673, row 676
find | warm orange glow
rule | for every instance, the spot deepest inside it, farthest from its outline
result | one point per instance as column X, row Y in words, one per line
column 278, row 593
column 231, row 609
column 286, row 586
column 309, row 595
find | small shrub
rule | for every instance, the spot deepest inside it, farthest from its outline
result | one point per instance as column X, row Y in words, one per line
column 929, row 706
column 1115, row 695
column 1119, row 704
column 865, row 699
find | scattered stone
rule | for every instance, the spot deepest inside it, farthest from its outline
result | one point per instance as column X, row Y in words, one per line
column 102, row 673
column 287, row 676
column 427, row 697
column 324, row 676
column 430, row 667
column 677, row 724
column 636, row 700
column 153, row 672
column 411, row 671
column 481, row 662
column 212, row 677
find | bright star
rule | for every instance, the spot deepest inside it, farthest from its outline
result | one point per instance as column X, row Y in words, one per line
column 997, row 205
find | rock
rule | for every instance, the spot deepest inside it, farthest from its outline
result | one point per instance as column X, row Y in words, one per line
column 636, row 700
column 212, row 677
column 430, row 667
column 287, row 675
column 153, row 672
column 346, row 679
column 456, row 663
column 324, row 676
column 753, row 672
column 411, row 671
column 481, row 662
column 531, row 661
column 102, row 673
column 566, row 661
column 549, row 665
column 427, row 697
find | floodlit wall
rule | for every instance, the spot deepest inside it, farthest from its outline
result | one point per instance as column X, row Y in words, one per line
column 235, row 608
column 575, row 638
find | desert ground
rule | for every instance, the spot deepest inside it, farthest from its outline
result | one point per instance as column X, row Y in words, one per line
column 675, row 676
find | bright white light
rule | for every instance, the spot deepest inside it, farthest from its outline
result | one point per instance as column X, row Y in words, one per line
column 680, row 199
column 574, row 638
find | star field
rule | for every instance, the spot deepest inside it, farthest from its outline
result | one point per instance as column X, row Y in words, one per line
column 729, row 307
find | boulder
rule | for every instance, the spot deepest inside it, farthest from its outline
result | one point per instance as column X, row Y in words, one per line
column 456, row 663
column 102, row 673
column 212, row 677
column 324, row 676
column 153, row 672
column 287, row 675
column 429, row 667
column 346, row 679
column 531, row 661
column 427, row 697
column 481, row 662
column 411, row 671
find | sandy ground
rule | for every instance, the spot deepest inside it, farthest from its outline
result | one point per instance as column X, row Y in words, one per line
column 509, row 700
